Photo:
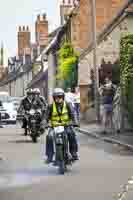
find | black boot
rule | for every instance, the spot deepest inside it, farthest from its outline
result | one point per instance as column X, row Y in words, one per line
column 75, row 156
column 25, row 132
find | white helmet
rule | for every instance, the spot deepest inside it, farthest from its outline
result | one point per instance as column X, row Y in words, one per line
column 58, row 92
column 36, row 91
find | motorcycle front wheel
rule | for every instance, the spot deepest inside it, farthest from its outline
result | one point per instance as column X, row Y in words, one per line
column 60, row 159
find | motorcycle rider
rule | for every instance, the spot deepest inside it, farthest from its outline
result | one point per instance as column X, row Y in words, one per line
column 39, row 102
column 25, row 106
column 61, row 113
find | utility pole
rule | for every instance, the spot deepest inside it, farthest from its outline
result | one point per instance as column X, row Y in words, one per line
column 96, row 71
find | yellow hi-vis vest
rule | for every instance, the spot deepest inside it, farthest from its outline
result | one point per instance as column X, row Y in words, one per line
column 63, row 119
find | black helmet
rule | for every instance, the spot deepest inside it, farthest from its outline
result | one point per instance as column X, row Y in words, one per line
column 29, row 91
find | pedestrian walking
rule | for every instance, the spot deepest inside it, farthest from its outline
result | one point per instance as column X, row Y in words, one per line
column 107, row 92
column 70, row 97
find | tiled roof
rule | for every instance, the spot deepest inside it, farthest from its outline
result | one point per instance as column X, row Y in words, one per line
column 17, row 74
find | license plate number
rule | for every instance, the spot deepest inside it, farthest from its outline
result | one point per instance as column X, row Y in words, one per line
column 59, row 129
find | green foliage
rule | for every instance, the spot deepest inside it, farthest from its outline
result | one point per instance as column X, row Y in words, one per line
column 67, row 68
column 36, row 67
column 126, row 64
column 126, row 72
column 130, row 102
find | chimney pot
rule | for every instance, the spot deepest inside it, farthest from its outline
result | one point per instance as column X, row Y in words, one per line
column 44, row 16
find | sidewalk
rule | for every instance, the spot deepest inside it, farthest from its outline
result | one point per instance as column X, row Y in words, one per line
column 94, row 130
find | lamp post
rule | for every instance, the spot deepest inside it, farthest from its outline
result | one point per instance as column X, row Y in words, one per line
column 96, row 71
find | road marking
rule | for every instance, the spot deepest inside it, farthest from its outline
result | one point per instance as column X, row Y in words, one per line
column 125, row 189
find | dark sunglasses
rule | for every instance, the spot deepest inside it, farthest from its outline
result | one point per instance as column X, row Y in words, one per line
column 59, row 97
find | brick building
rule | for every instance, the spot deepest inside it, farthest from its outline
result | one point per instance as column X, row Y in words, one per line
column 108, row 40
column 105, row 10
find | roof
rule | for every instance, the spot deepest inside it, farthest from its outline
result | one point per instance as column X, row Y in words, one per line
column 109, row 27
column 40, row 76
column 17, row 74
column 55, row 41
column 53, row 33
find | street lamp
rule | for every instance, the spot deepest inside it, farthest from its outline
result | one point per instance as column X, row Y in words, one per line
column 96, row 71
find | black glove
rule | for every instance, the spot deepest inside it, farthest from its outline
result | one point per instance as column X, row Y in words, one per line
column 76, row 125
column 47, row 125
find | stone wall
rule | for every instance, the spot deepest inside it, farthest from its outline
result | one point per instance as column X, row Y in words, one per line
column 105, row 11
column 108, row 49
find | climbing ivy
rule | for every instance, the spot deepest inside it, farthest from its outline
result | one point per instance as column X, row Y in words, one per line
column 126, row 73
column 126, row 64
column 67, row 68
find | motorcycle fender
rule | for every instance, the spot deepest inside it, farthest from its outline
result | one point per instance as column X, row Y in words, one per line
column 59, row 140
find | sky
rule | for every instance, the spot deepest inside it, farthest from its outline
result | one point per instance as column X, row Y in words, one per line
column 23, row 12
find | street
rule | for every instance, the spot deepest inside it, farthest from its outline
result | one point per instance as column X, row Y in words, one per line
column 102, row 170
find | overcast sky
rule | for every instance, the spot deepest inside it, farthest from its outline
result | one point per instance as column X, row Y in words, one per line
column 23, row 12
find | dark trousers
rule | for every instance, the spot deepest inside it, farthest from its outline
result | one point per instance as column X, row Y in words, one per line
column 77, row 108
column 24, row 125
column 73, row 146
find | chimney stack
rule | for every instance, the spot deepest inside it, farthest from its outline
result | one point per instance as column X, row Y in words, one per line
column 24, row 39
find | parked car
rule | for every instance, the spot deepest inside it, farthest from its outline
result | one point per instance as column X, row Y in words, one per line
column 7, row 110
column 16, row 102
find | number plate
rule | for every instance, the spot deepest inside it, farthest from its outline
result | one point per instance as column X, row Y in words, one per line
column 59, row 129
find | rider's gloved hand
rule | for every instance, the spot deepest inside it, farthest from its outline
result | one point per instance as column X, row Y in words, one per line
column 76, row 125
column 47, row 125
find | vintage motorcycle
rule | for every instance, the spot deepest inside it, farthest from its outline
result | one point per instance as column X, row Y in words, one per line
column 61, row 144
column 33, row 128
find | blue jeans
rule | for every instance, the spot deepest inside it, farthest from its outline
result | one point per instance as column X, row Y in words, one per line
column 77, row 109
